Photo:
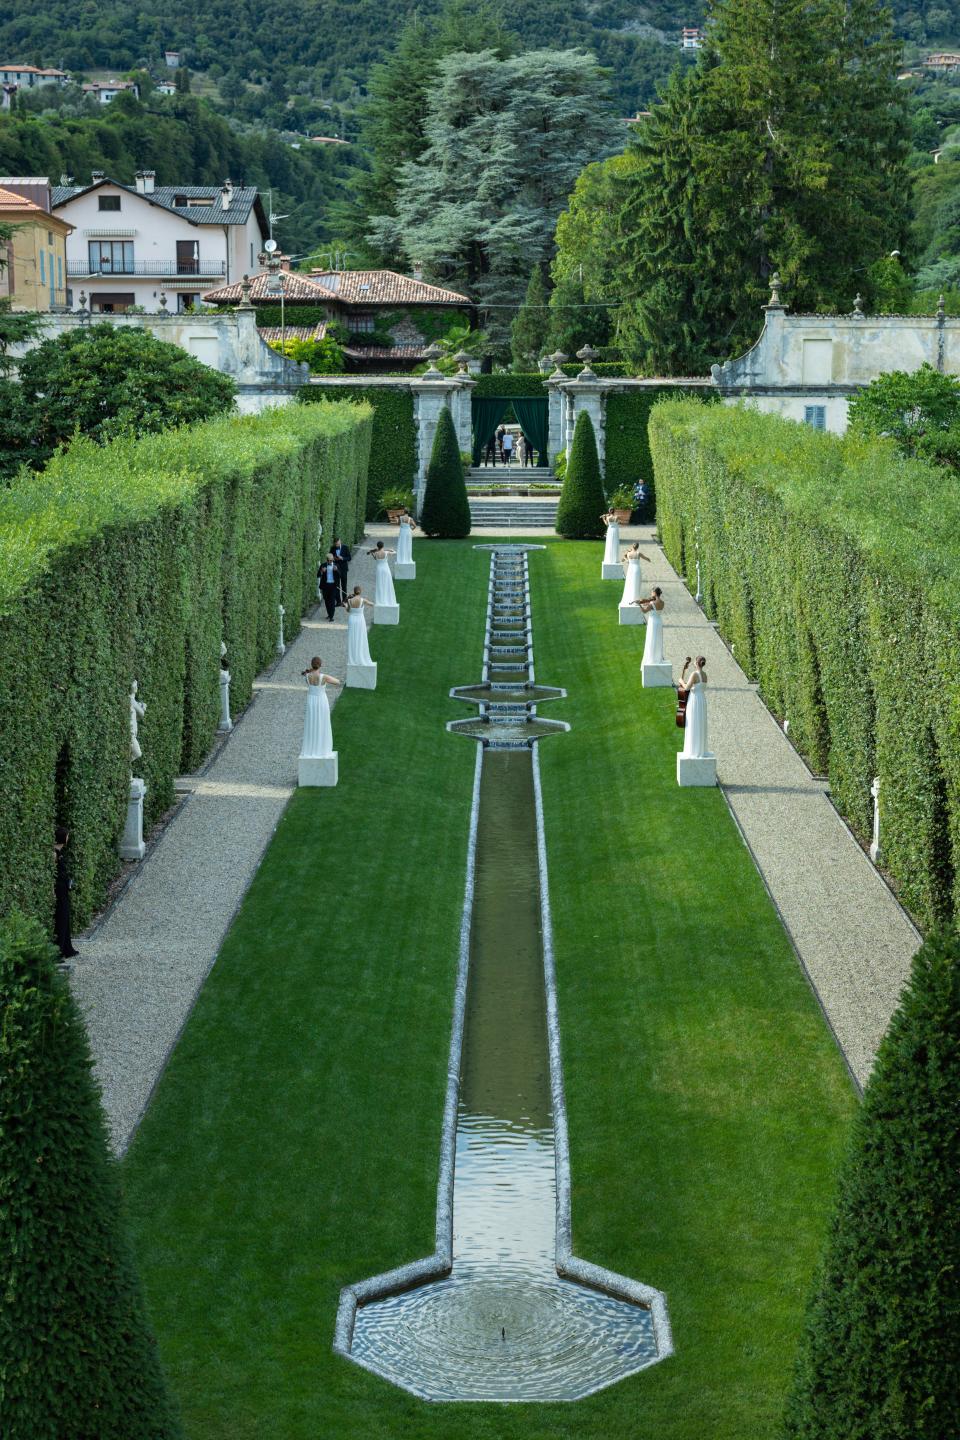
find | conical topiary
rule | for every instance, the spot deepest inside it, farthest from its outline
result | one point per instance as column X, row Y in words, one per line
column 76, row 1357
column 880, row 1359
column 446, row 509
column 581, row 499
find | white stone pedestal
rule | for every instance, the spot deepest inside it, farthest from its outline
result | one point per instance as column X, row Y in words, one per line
column 386, row 614
column 362, row 677
column 132, row 846
column 700, row 770
column 653, row 675
column 405, row 570
column 632, row 615
column 610, row 572
column 317, row 769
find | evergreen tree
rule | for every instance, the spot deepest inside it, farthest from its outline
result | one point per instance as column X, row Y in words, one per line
column 582, row 500
column 880, row 1359
column 531, row 324
column 574, row 323
column 446, row 509
column 76, row 1357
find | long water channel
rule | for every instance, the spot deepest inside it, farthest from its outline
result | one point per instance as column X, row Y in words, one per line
column 503, row 1325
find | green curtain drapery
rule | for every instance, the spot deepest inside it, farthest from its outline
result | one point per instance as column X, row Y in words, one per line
column 486, row 416
column 533, row 419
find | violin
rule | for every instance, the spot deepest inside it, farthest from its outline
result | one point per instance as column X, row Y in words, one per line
column 683, row 696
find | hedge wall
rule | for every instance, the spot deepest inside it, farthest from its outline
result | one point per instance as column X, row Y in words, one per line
column 132, row 560
column 393, row 449
column 832, row 565
column 627, row 446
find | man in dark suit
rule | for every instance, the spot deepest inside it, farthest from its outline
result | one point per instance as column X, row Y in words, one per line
column 328, row 581
column 341, row 556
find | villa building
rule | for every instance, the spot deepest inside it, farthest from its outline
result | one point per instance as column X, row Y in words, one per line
column 143, row 245
column 29, row 77
column 34, row 274
column 106, row 90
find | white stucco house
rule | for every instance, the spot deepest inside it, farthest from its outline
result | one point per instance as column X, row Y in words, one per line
column 134, row 244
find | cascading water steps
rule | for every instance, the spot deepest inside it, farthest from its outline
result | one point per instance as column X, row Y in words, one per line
column 491, row 1316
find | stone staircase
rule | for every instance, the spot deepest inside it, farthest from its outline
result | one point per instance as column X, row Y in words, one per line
column 514, row 512
column 519, row 475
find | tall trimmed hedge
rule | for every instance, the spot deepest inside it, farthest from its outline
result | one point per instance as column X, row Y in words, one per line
column 393, row 447
column 76, row 1356
column 880, row 1359
column 833, row 567
column 133, row 560
column 626, row 452
column 582, row 500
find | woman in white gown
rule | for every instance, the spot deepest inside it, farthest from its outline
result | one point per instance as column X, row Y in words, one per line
column 695, row 729
column 317, row 734
column 652, row 607
column 358, row 649
column 405, row 539
column 384, row 594
column 631, row 585
column 611, row 551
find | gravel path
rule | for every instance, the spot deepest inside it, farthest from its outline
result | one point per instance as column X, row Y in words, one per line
column 853, row 939
column 143, row 965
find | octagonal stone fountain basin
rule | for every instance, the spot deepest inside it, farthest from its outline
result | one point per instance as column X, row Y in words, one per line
column 505, row 693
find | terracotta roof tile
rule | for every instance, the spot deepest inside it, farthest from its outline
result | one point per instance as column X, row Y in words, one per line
column 386, row 352
column 295, row 287
column 272, row 333
column 384, row 287
column 10, row 201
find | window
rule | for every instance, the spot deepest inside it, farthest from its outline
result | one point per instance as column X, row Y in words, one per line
column 111, row 257
column 112, row 304
column 49, row 237
column 180, row 200
column 109, row 202
column 188, row 257
column 186, row 302
column 199, row 200
column 43, row 268
column 360, row 322
column 815, row 415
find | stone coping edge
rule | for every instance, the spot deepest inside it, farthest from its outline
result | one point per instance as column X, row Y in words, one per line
column 440, row 1263
column 570, row 1266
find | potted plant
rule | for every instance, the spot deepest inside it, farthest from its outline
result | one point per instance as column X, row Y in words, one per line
column 394, row 500
column 621, row 503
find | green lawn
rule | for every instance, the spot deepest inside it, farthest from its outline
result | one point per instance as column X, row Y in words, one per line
column 292, row 1144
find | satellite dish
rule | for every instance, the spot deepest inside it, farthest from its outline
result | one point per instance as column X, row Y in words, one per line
column 269, row 246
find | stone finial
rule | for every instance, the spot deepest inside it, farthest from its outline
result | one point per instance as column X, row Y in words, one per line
column 774, row 303
column 587, row 353
column 83, row 312
column 163, row 302
column 557, row 359
column 941, row 308
column 463, row 360
column 432, row 353
column 858, row 306
column 245, row 294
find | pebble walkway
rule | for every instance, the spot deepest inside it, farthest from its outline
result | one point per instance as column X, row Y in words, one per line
column 143, row 966
column 853, row 939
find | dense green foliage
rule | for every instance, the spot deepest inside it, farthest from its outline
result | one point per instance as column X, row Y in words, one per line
column 626, row 448
column 881, row 1355
column 920, row 410
column 393, row 443
column 324, row 357
column 831, row 565
column 446, row 509
column 187, row 143
column 76, row 1357
column 784, row 150
column 531, row 324
column 103, row 381
column 680, row 1176
column 582, row 500
column 132, row 561
column 504, row 142
column 587, row 284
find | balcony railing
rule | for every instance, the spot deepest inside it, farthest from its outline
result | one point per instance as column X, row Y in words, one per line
column 151, row 269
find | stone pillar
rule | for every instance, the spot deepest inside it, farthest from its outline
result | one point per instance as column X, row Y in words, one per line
column 555, row 405
column 431, row 393
column 281, row 643
column 875, row 854
column 132, row 846
column 586, row 396
column 463, row 412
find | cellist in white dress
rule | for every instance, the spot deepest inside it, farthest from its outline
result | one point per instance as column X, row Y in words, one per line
column 695, row 728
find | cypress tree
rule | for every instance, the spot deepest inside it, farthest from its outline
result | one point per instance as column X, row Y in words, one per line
column 528, row 333
column 76, row 1357
column 582, row 501
column 446, row 509
column 880, row 1359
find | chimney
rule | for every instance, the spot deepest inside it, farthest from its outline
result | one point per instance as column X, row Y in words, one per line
column 145, row 181
column 96, row 175
column 226, row 193
column 418, row 269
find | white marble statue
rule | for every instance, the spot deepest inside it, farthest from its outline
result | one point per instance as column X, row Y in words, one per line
column 137, row 711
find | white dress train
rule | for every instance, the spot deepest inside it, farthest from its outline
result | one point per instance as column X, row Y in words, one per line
column 317, row 732
column 358, row 648
column 631, row 585
column 695, row 728
column 653, row 644
column 384, row 593
column 611, row 551
column 404, row 545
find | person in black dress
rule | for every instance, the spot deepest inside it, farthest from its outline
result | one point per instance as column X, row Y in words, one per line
column 62, row 895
